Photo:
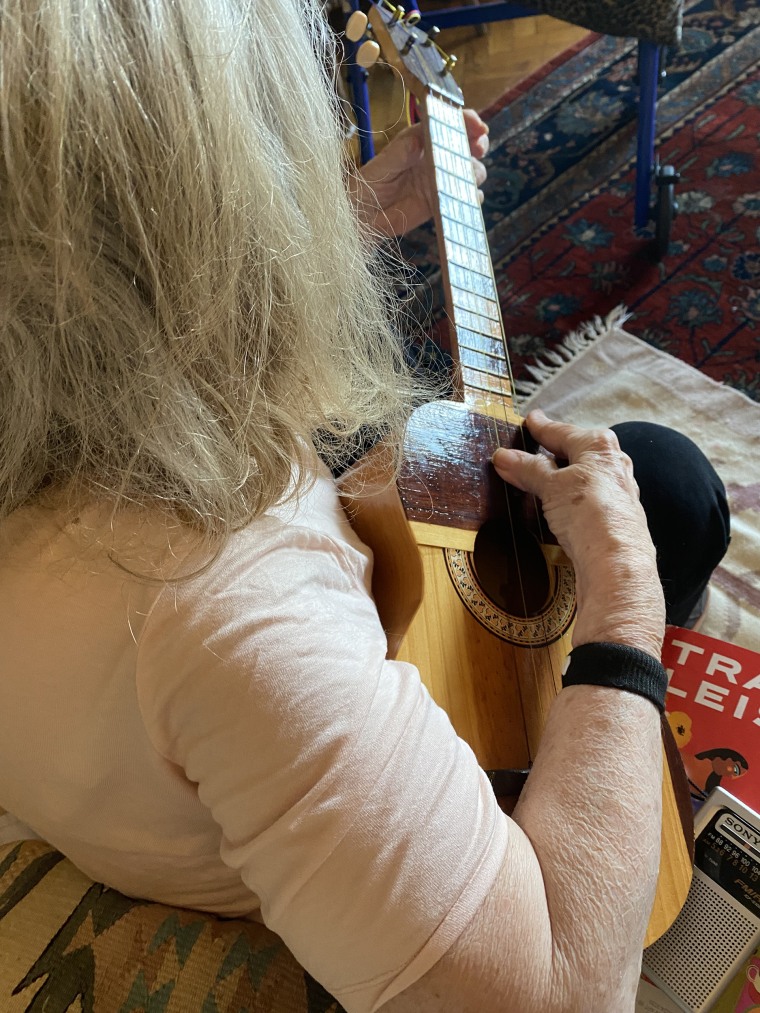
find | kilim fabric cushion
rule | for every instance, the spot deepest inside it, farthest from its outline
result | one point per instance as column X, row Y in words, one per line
column 649, row 20
column 656, row 21
column 68, row 943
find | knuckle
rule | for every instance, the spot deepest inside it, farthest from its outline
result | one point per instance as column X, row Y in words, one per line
column 605, row 441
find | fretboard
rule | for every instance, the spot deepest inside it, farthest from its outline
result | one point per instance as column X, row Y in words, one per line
column 477, row 331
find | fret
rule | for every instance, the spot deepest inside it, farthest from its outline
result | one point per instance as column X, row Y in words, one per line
column 481, row 362
column 454, row 164
column 445, row 112
column 489, row 346
column 447, row 137
column 468, row 214
column 477, row 324
column 464, row 236
column 478, row 284
column 444, row 136
column 469, row 259
column 467, row 300
column 455, row 187
column 488, row 383
column 473, row 301
column 481, row 351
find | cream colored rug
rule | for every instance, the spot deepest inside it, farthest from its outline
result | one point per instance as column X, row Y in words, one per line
column 609, row 376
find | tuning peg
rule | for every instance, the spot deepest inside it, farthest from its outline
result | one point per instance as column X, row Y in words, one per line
column 398, row 14
column 367, row 54
column 356, row 26
column 432, row 35
column 449, row 65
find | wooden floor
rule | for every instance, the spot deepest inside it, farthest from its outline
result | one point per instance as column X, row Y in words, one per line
column 489, row 64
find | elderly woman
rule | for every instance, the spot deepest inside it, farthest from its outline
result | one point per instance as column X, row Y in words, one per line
column 195, row 702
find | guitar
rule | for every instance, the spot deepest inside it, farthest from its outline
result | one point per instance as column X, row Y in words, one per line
column 466, row 591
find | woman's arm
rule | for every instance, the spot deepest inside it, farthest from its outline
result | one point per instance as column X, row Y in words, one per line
column 354, row 813
column 562, row 931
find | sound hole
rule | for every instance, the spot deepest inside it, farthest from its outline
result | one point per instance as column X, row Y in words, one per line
column 511, row 569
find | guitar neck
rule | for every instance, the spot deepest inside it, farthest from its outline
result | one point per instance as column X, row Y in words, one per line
column 477, row 331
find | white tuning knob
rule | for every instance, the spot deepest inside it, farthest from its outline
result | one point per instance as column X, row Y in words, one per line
column 367, row 53
column 356, row 26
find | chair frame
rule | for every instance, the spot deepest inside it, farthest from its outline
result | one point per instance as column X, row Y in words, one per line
column 648, row 172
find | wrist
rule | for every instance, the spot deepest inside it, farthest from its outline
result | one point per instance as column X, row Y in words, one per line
column 627, row 634
column 618, row 666
column 623, row 605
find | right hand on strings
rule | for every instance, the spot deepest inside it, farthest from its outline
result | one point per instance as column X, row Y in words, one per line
column 592, row 507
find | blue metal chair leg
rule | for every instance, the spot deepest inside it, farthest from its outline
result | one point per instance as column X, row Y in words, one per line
column 649, row 74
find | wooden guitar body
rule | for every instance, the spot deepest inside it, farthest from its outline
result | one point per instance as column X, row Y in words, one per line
column 470, row 589
column 487, row 668
column 495, row 615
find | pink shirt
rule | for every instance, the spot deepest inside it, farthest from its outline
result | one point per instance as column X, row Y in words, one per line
column 238, row 742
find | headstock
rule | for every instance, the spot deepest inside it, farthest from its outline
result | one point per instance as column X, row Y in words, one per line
column 423, row 65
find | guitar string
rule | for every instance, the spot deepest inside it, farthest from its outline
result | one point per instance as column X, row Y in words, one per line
column 497, row 397
column 469, row 182
column 514, row 395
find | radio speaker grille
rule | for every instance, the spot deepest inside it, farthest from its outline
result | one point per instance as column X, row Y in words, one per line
column 697, row 951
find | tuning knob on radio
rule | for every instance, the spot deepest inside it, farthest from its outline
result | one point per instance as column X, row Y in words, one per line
column 356, row 26
column 367, row 54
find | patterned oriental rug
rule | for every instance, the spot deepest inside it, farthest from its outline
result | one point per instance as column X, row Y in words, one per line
column 559, row 199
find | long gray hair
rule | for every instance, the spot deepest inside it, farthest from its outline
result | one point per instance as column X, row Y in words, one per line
column 185, row 296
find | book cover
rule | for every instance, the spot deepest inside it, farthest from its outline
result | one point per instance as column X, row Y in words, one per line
column 743, row 993
column 713, row 708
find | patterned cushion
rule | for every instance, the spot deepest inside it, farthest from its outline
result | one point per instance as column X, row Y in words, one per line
column 649, row 20
column 69, row 943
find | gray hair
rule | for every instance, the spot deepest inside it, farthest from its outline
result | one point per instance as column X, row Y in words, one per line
column 186, row 300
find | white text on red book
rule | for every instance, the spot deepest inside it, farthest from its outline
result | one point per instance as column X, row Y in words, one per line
column 709, row 694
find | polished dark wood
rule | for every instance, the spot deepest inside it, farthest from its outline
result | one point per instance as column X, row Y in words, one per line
column 446, row 476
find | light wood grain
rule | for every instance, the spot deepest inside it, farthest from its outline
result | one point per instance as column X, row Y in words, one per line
column 675, row 866
column 484, row 684
column 495, row 679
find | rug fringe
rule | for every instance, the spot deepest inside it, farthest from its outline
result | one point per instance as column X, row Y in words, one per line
column 551, row 363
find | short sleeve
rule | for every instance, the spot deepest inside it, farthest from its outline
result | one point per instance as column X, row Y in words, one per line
column 347, row 803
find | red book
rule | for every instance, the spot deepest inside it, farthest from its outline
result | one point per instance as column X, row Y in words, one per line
column 713, row 707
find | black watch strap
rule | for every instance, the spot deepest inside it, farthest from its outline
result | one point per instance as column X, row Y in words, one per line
column 619, row 667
